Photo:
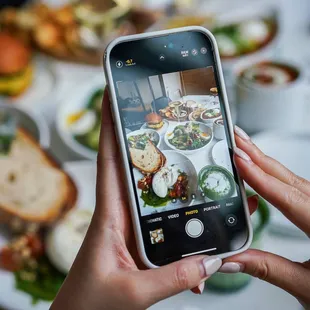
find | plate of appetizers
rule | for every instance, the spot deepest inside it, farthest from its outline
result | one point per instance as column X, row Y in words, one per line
column 165, row 180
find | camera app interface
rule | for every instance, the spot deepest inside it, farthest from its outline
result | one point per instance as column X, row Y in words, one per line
column 176, row 136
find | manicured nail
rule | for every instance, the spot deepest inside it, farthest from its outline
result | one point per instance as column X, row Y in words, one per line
column 242, row 155
column 242, row 134
column 232, row 268
column 201, row 287
column 211, row 265
column 255, row 197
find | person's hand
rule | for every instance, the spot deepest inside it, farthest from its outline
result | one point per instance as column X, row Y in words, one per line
column 291, row 195
column 107, row 273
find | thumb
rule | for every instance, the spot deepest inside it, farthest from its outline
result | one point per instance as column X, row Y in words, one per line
column 174, row 278
column 291, row 276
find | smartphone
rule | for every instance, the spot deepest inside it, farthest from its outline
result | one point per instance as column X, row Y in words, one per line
column 175, row 134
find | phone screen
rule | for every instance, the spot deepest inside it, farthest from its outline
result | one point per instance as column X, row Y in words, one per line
column 178, row 146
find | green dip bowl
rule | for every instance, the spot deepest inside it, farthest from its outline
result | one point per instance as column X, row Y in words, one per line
column 210, row 194
column 233, row 282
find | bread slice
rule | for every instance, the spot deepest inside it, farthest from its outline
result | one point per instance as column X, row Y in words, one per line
column 33, row 188
column 149, row 160
column 26, row 148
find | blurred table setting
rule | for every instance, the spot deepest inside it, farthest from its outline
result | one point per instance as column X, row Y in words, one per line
column 51, row 87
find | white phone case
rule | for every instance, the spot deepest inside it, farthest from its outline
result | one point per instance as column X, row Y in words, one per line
column 121, row 140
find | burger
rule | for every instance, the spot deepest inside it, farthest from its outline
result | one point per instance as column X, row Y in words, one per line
column 16, row 72
column 214, row 91
column 154, row 121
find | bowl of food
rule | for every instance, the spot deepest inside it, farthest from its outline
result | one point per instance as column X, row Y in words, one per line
column 210, row 115
column 189, row 137
column 269, row 85
column 233, row 282
column 216, row 183
column 252, row 30
column 138, row 139
column 79, row 119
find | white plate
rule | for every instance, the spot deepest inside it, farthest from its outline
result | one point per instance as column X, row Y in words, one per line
column 77, row 100
column 220, row 155
column 83, row 174
column 162, row 130
column 292, row 150
column 203, row 127
column 184, row 164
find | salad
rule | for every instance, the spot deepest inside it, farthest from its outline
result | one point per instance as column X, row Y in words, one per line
column 34, row 274
column 168, row 184
column 140, row 141
column 188, row 137
column 245, row 37
column 85, row 124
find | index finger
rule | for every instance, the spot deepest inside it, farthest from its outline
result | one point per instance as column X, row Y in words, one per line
column 107, row 142
column 272, row 166
column 110, row 189
column 293, row 203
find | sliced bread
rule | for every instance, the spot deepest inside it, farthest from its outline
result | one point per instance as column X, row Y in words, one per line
column 149, row 160
column 33, row 188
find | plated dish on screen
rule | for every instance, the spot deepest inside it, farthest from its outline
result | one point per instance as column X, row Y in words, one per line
column 167, row 183
column 189, row 137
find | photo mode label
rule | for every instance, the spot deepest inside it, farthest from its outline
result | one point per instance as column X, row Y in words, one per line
column 191, row 212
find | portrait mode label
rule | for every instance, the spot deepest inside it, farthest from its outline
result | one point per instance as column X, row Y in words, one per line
column 206, row 209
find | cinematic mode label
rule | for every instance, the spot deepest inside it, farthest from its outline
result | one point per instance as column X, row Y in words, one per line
column 154, row 220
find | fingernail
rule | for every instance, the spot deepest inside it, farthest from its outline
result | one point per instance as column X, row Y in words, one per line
column 210, row 266
column 256, row 197
column 232, row 268
column 242, row 154
column 201, row 287
column 242, row 134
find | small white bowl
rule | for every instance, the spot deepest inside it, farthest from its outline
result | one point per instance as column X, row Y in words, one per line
column 77, row 101
column 219, row 130
column 209, row 121
column 34, row 123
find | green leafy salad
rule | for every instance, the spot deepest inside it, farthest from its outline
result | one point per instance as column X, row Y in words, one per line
column 188, row 137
